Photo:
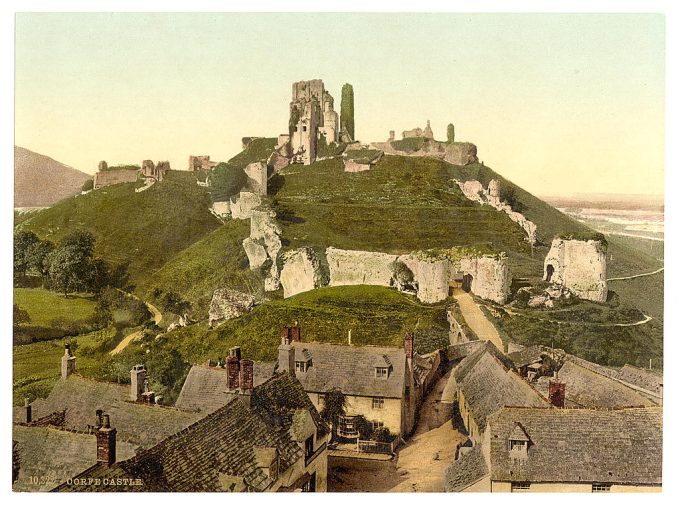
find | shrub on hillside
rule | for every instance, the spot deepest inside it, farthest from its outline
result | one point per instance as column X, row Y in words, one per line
column 226, row 180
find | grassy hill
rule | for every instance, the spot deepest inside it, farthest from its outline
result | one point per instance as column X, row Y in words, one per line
column 42, row 181
column 376, row 316
column 145, row 229
column 217, row 260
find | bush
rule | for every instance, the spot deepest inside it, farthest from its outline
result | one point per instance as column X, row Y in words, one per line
column 88, row 185
column 410, row 144
column 382, row 435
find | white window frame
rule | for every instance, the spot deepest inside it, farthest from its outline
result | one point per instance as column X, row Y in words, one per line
column 378, row 403
column 601, row 488
column 382, row 372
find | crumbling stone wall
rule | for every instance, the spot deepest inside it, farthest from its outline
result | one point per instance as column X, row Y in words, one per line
column 302, row 271
column 460, row 153
column 418, row 132
column 475, row 191
column 456, row 154
column 431, row 277
column 490, row 277
column 201, row 163
column 263, row 246
column 243, row 204
column 114, row 177
column 356, row 267
column 257, row 177
column 579, row 265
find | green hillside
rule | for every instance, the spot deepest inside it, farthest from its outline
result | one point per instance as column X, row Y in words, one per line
column 145, row 229
column 217, row 260
column 376, row 316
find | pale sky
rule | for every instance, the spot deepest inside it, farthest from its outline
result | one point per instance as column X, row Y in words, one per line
column 557, row 103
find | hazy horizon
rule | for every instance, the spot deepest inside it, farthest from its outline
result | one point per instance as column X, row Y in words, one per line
column 568, row 101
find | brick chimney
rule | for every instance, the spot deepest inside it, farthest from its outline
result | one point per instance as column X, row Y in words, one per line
column 246, row 375
column 106, row 442
column 28, row 411
column 98, row 421
column 137, row 378
column 408, row 345
column 286, row 356
column 68, row 362
column 291, row 333
column 557, row 392
column 232, row 372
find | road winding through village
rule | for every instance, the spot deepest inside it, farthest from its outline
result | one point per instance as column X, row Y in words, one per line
column 475, row 318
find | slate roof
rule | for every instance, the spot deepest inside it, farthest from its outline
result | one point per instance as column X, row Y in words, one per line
column 55, row 454
column 488, row 384
column 205, row 387
column 467, row 470
column 645, row 379
column 580, row 445
column 588, row 389
column 352, row 369
column 139, row 424
column 213, row 453
column 527, row 356
column 461, row 350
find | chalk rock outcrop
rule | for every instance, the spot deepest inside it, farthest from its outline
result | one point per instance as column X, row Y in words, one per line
column 301, row 272
column 490, row 277
column 580, row 266
column 256, row 252
column 243, row 204
column 257, row 177
column 475, row 191
column 228, row 304
column 357, row 267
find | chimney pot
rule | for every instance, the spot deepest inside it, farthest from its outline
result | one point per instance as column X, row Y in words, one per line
column 246, row 375
column 557, row 393
column 98, row 414
column 106, row 442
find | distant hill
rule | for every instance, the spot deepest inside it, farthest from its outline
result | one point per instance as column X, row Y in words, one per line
column 41, row 181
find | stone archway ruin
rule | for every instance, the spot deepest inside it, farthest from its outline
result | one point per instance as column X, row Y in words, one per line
column 467, row 282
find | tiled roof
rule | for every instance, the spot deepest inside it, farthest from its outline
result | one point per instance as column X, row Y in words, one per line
column 205, row 387
column 352, row 369
column 588, row 389
column 139, row 424
column 527, row 356
column 467, row 470
column 213, row 453
column 646, row 379
column 55, row 455
column 580, row 445
column 488, row 384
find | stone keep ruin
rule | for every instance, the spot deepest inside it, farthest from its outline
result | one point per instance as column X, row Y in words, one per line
column 579, row 265
column 311, row 116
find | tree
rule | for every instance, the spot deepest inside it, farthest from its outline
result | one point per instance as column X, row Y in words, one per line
column 88, row 185
column 168, row 371
column 70, row 264
column 21, row 316
column 347, row 110
column 36, row 255
column 173, row 302
column 450, row 133
column 23, row 240
column 334, row 406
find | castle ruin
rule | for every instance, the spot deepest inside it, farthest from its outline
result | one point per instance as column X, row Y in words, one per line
column 201, row 163
column 416, row 132
column 311, row 116
column 579, row 265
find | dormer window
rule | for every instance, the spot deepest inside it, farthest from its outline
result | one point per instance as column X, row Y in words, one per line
column 301, row 366
column 382, row 372
column 518, row 444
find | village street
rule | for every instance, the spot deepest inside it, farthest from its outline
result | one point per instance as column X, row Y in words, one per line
column 419, row 465
column 475, row 318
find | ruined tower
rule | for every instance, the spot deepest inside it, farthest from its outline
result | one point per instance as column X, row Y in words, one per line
column 311, row 116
